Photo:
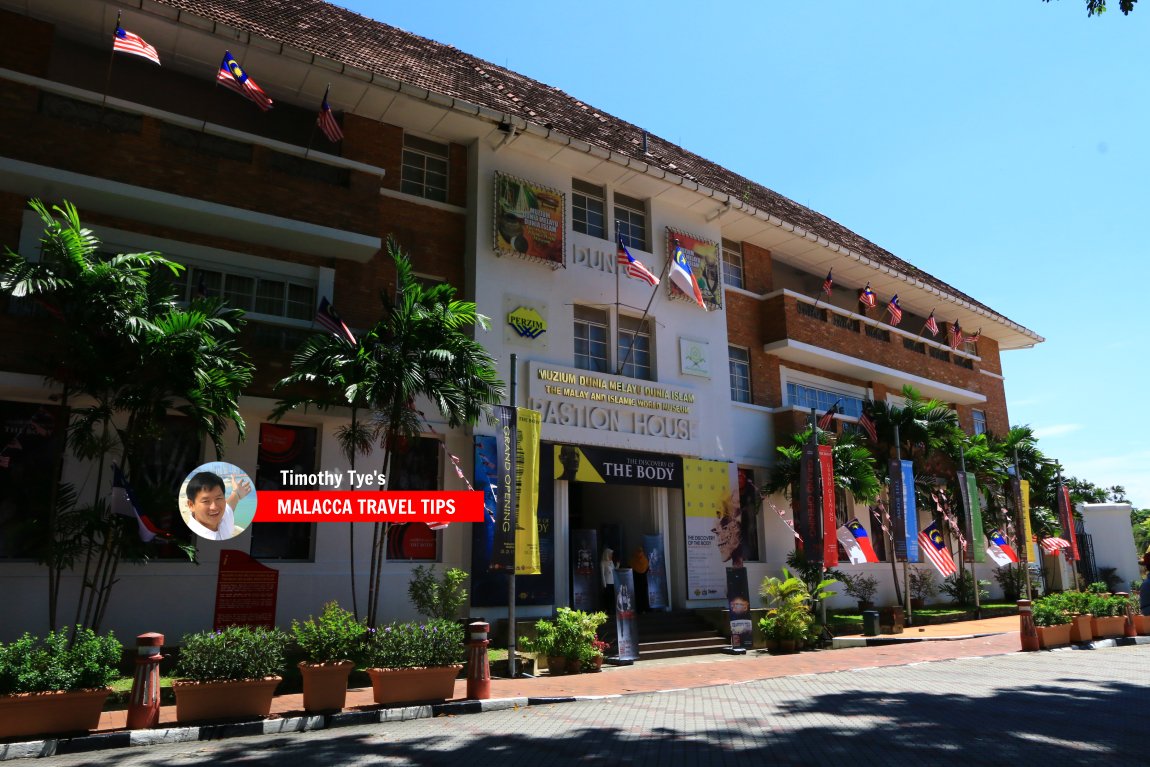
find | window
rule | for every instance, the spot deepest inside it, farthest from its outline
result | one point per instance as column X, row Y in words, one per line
column 733, row 264
column 591, row 350
column 284, row 448
column 740, row 362
column 424, row 172
column 415, row 465
column 806, row 397
column 631, row 222
column 274, row 297
column 635, row 348
column 588, row 209
column 979, row 421
column 33, row 436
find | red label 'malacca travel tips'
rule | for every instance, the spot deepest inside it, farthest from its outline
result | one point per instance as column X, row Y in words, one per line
column 350, row 506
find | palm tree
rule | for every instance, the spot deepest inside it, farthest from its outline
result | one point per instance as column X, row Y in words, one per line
column 333, row 373
column 120, row 341
column 422, row 347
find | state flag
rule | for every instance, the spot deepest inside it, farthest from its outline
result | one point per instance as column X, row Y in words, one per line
column 999, row 550
column 684, row 278
column 860, row 535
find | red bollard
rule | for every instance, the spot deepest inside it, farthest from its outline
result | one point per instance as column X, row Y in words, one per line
column 144, row 705
column 1026, row 630
column 1128, row 628
column 478, row 669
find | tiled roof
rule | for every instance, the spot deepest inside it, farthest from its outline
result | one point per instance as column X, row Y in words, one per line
column 341, row 35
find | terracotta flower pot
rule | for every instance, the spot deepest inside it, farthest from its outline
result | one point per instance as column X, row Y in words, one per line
column 1110, row 626
column 1142, row 624
column 413, row 685
column 1080, row 629
column 1053, row 636
column 325, row 684
column 917, row 603
column 240, row 699
column 556, row 664
column 51, row 713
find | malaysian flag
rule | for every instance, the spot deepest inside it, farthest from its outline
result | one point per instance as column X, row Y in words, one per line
column 829, row 282
column 126, row 42
column 634, row 268
column 867, row 297
column 1052, row 545
column 123, row 502
column 974, row 338
column 866, row 423
column 895, row 310
column 231, row 75
column 829, row 417
column 932, row 324
column 326, row 121
column 935, row 549
column 327, row 316
column 956, row 337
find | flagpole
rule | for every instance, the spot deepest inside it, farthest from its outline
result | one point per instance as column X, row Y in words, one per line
column 970, row 533
column 108, row 75
column 643, row 318
column 315, row 123
column 511, row 573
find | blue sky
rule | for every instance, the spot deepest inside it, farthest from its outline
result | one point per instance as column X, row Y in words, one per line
column 1003, row 148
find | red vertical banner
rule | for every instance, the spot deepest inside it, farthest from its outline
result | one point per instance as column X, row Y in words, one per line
column 1066, row 517
column 829, row 525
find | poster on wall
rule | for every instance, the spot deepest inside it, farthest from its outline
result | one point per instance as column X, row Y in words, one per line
column 506, row 505
column 713, row 525
column 657, row 595
column 739, row 604
column 584, row 561
column 529, row 220
column 829, row 521
column 604, row 465
column 703, row 257
column 626, row 630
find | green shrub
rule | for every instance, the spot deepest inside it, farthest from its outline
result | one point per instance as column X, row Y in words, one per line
column 571, row 634
column 234, row 653
column 862, row 586
column 415, row 645
column 334, row 636
column 922, row 584
column 32, row 664
column 960, row 588
column 1106, row 605
column 1048, row 612
column 1098, row 587
column 437, row 598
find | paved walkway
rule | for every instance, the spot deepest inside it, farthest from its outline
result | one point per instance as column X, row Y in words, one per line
column 994, row 636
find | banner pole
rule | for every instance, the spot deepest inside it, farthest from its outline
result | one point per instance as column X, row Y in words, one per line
column 1021, row 525
column 511, row 670
column 902, row 499
column 970, row 533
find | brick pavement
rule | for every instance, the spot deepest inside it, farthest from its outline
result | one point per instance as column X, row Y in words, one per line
column 704, row 671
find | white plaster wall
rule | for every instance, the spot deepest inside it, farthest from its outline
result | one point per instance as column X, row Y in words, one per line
column 1108, row 525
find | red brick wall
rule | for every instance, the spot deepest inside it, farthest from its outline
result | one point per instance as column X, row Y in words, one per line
column 27, row 43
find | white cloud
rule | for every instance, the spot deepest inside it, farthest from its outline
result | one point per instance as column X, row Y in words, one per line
column 1056, row 430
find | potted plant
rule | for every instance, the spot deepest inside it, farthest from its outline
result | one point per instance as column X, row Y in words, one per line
column 228, row 674
column 575, row 633
column 50, row 685
column 414, row 662
column 1109, row 613
column 591, row 656
column 1052, row 623
column 543, row 644
column 788, row 603
column 768, row 625
column 922, row 587
column 1077, row 604
column 1141, row 622
column 330, row 644
column 862, row 587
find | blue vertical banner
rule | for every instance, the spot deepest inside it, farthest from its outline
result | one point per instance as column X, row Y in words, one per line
column 584, row 570
column 910, row 513
column 656, row 573
column 898, row 524
column 627, row 631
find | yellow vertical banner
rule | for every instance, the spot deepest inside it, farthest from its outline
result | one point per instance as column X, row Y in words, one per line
column 527, row 484
column 713, row 525
column 1027, row 535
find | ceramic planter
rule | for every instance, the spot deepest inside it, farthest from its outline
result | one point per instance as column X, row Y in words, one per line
column 51, row 713
column 242, row 699
column 1080, row 629
column 1142, row 624
column 325, row 685
column 1053, row 636
column 1110, row 626
column 556, row 664
column 413, row 685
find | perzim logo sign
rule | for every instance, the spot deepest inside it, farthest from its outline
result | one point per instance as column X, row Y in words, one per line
column 527, row 322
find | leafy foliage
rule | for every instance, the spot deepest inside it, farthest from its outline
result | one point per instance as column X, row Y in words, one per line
column 32, row 664
column 862, row 586
column 922, row 583
column 415, row 645
column 334, row 636
column 788, row 607
column 1050, row 613
column 571, row 634
column 960, row 588
column 1098, row 7
column 232, row 654
column 437, row 597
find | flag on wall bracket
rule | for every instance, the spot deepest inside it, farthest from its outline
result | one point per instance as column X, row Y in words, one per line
column 684, row 278
column 326, row 121
column 232, row 76
column 327, row 316
column 127, row 42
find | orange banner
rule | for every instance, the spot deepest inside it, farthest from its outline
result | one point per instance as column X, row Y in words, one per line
column 432, row 506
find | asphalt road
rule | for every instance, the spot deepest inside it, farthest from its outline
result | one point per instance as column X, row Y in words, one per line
column 1027, row 708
